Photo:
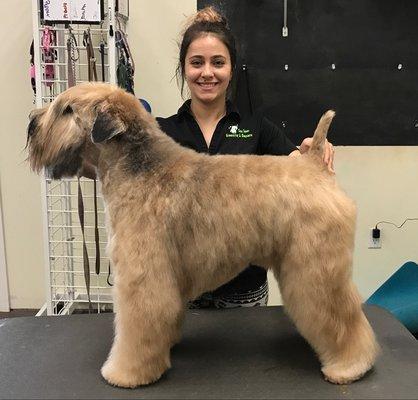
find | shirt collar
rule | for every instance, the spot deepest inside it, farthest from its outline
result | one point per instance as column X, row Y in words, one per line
column 230, row 109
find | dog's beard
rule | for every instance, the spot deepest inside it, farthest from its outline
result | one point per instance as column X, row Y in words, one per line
column 67, row 165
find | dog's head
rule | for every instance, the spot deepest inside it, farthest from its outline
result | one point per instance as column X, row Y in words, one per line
column 70, row 133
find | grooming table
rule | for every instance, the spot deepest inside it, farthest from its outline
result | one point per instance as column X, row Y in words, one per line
column 236, row 353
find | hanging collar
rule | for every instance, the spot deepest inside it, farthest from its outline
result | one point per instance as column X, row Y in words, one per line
column 185, row 109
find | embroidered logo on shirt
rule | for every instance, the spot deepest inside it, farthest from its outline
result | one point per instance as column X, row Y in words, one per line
column 235, row 132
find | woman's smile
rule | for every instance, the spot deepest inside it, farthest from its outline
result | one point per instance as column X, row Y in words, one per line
column 207, row 85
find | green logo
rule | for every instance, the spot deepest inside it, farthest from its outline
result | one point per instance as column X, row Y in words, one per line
column 235, row 132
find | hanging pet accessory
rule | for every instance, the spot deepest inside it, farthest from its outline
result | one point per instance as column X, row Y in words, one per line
column 48, row 42
column 73, row 55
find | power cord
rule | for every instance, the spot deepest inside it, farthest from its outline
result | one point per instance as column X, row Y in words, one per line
column 376, row 230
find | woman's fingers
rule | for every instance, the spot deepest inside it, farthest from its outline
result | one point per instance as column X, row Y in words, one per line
column 328, row 157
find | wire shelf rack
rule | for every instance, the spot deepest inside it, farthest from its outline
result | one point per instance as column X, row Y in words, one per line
column 66, row 291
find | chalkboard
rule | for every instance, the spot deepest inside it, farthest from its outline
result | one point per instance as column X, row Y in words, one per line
column 373, row 85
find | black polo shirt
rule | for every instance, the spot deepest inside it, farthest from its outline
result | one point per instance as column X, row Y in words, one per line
column 234, row 134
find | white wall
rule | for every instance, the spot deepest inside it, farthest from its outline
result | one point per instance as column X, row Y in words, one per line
column 382, row 180
column 20, row 190
column 153, row 36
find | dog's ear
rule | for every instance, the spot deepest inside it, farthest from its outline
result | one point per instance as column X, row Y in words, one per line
column 105, row 127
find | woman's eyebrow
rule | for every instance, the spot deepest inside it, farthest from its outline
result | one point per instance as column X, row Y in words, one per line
column 200, row 56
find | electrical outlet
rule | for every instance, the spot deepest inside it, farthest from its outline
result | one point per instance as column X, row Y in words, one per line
column 374, row 243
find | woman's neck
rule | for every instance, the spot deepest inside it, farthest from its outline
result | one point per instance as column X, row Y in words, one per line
column 213, row 111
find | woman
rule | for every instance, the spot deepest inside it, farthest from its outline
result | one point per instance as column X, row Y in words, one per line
column 209, row 123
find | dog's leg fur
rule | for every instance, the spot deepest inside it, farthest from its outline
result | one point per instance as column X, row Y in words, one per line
column 318, row 294
column 149, row 311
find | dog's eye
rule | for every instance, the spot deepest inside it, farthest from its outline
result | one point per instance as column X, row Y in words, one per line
column 67, row 110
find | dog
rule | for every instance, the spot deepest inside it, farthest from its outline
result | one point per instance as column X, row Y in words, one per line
column 181, row 223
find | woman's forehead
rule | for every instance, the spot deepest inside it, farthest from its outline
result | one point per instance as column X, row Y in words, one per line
column 207, row 45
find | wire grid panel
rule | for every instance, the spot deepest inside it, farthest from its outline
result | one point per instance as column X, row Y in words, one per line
column 68, row 288
column 52, row 86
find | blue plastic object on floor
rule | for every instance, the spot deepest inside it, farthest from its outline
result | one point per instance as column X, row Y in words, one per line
column 399, row 295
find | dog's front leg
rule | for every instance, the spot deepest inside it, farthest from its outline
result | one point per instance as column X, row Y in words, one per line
column 148, row 311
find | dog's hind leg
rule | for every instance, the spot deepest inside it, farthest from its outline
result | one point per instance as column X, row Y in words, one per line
column 149, row 312
column 318, row 294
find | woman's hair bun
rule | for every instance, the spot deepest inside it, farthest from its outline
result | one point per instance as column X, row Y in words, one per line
column 209, row 14
column 206, row 15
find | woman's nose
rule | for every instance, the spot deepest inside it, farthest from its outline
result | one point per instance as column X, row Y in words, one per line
column 207, row 71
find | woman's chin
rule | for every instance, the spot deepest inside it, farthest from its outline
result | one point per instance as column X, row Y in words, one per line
column 207, row 97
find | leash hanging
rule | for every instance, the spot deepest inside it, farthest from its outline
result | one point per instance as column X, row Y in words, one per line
column 92, row 75
column 102, row 58
column 128, row 51
column 102, row 46
column 73, row 55
column 96, row 228
column 86, row 263
column 126, row 65
column 108, row 276
column 91, row 59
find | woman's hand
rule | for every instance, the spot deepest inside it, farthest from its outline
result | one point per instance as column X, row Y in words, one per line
column 328, row 157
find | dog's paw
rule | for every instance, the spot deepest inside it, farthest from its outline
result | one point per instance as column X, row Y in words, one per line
column 342, row 375
column 127, row 377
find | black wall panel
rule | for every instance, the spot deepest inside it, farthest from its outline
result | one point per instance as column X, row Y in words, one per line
column 376, row 103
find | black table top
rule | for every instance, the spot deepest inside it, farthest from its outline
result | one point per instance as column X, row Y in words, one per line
column 239, row 353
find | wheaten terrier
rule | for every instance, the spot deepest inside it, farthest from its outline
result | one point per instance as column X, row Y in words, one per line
column 182, row 223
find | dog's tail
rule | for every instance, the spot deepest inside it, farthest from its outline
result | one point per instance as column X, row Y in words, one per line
column 318, row 141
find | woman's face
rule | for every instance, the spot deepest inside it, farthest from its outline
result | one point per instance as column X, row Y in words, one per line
column 208, row 69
